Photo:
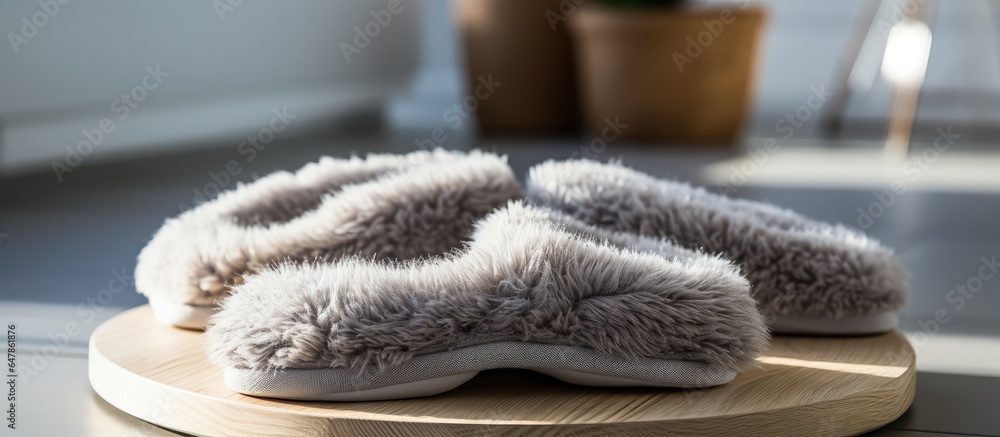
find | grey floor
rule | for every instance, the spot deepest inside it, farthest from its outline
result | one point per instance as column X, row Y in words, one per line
column 61, row 243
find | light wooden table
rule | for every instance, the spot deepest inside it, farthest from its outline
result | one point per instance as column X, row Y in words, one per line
column 804, row 386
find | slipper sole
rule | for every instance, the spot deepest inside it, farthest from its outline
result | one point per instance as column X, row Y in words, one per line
column 435, row 373
column 181, row 315
column 851, row 325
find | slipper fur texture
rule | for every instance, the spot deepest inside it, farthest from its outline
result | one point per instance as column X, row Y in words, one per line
column 383, row 207
column 528, row 274
column 797, row 266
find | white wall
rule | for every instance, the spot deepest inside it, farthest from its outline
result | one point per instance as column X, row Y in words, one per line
column 225, row 72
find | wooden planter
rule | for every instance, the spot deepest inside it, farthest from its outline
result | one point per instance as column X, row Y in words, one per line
column 526, row 48
column 671, row 75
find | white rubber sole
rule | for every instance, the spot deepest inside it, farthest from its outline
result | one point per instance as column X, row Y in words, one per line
column 435, row 373
column 852, row 325
column 181, row 315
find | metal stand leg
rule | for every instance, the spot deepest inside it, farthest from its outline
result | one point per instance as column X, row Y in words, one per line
column 905, row 99
column 833, row 118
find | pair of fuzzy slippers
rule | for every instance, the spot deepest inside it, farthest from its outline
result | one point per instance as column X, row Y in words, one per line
column 404, row 276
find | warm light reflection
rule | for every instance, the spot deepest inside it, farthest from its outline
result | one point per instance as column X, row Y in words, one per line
column 864, row 369
column 860, row 167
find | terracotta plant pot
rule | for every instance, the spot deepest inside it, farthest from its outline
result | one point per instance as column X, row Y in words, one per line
column 679, row 74
column 525, row 46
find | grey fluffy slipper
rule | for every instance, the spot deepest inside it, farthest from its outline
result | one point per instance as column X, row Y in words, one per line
column 534, row 289
column 807, row 276
column 382, row 207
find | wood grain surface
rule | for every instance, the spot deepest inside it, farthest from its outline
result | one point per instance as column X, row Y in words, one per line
column 804, row 386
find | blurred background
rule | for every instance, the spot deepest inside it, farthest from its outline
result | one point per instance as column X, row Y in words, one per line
column 882, row 115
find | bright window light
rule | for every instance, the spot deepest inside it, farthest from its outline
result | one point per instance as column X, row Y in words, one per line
column 906, row 52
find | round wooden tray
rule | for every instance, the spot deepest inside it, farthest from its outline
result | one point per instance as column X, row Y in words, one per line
column 804, row 386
